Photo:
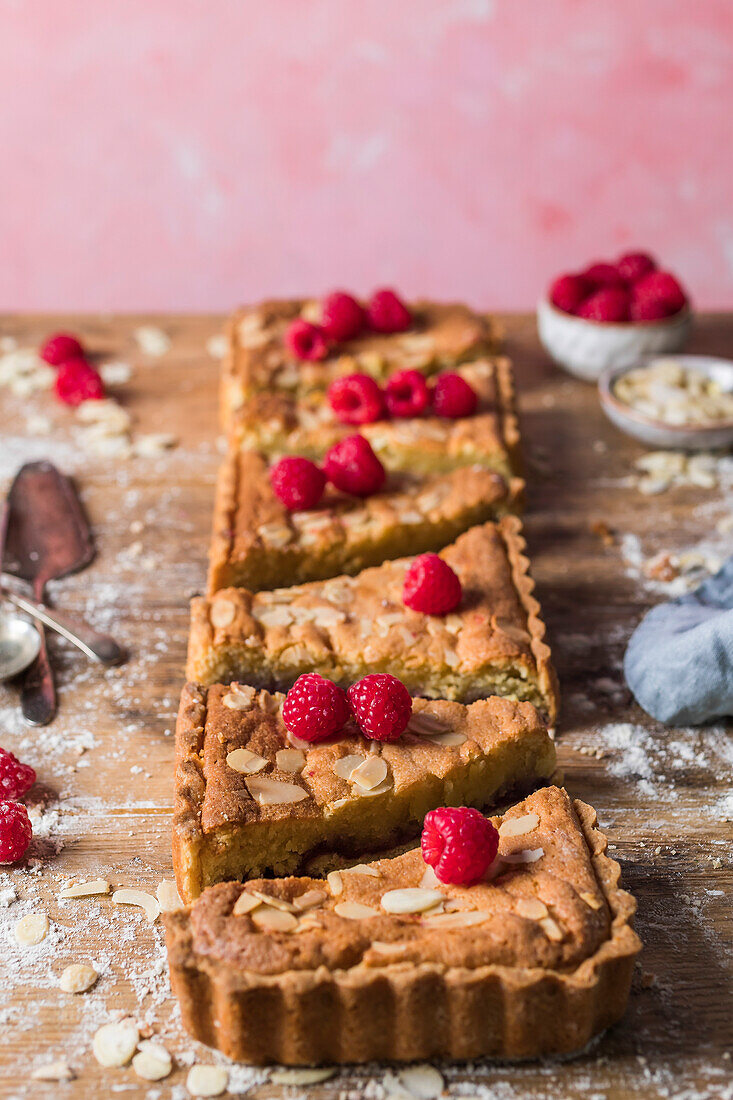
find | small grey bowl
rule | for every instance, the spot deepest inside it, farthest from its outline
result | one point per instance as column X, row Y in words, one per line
column 656, row 433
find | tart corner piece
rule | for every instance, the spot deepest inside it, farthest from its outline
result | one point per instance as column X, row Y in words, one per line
column 532, row 961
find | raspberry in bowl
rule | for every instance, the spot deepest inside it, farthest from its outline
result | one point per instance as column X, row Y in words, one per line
column 613, row 314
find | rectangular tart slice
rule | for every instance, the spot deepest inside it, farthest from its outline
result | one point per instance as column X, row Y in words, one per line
column 251, row 800
column 385, row 962
column 257, row 360
column 259, row 544
column 279, row 423
column 346, row 627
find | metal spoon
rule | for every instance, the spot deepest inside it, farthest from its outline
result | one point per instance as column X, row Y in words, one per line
column 19, row 644
column 99, row 647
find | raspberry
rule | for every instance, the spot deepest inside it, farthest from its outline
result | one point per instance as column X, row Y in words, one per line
column 356, row 399
column 315, row 708
column 59, row 348
column 306, row 341
column 602, row 275
column 431, row 586
column 459, row 844
column 661, row 288
column 297, row 482
column 609, row 304
column 634, row 265
column 407, row 393
column 568, row 291
column 387, row 313
column 353, row 467
column 382, row 706
column 77, row 381
column 453, row 397
column 342, row 317
column 15, row 831
column 15, row 778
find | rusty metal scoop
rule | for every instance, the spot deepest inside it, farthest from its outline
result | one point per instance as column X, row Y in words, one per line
column 46, row 537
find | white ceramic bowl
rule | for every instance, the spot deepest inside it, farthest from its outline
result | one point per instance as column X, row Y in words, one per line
column 655, row 433
column 587, row 348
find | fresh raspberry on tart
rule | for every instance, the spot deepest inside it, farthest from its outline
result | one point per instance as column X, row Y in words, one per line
column 453, row 397
column 459, row 844
column 77, row 381
column 356, row 399
column 387, row 312
column 297, row 482
column 407, row 394
column 315, row 708
column 15, row 778
column 342, row 317
column 382, row 706
column 15, row 831
column 352, row 466
column 59, row 348
column 306, row 341
column 431, row 587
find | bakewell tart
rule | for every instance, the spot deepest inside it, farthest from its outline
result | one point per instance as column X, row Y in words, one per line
column 385, row 961
column 280, row 423
column 259, row 544
column 258, row 360
column 346, row 627
column 252, row 800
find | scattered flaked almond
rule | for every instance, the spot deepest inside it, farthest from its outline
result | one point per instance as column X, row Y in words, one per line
column 426, row 724
column 370, row 792
column 531, row 908
column 78, row 978
column 277, row 903
column 54, row 1071
column 222, row 612
column 430, row 880
column 207, row 1080
column 301, row 1076
column 422, row 1081
column 152, row 340
column 168, row 897
column 274, row 792
column 354, row 910
column 371, row 773
column 86, row 889
column 31, row 929
column 552, row 929
column 464, row 918
column 114, row 1044
column 291, row 761
column 309, row 900
column 335, row 882
column 129, row 896
column 448, row 740
column 361, row 869
column 413, row 899
column 591, row 900
column 245, row 903
column 152, row 1062
column 245, row 761
column 526, row 855
column 517, row 826
column 274, row 920
column 347, row 764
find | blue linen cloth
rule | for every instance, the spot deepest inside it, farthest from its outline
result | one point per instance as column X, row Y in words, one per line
column 679, row 661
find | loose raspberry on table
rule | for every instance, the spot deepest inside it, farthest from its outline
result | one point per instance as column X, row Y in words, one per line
column 297, row 482
column 15, row 831
column 77, row 381
column 387, row 313
column 315, row 708
column 382, row 706
column 352, row 466
column 15, row 778
column 342, row 317
column 459, row 844
column 610, row 304
column 602, row 275
column 569, row 291
column 356, row 399
column 453, row 397
column 662, row 288
column 305, row 340
column 634, row 265
column 431, row 586
column 407, row 394
column 59, row 348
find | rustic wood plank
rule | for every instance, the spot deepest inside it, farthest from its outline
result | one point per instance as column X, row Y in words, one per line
column 104, row 792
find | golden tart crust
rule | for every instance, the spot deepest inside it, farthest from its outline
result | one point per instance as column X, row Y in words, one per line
column 258, row 544
column 344, row 628
column 291, row 799
column 541, row 966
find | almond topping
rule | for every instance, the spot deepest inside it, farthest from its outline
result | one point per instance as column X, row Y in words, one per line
column 238, row 698
column 371, row 773
column 272, row 792
column 309, row 900
column 531, row 908
column 276, row 903
column 147, row 902
column 304, row 1076
column 168, row 897
column 274, row 920
column 85, row 889
column 389, row 948
column 381, row 788
column 354, row 910
column 448, row 740
column 552, row 929
column 526, row 855
column 411, row 900
column 422, row 722
column 518, row 826
column 430, row 880
column 346, row 765
column 78, row 978
column 114, row 1044
column 245, row 903
column 361, row 869
column 207, row 1080
column 53, row 1071
column 591, row 900
column 245, row 761
column 334, row 880
column 290, row 760
column 222, row 612
column 462, row 919
column 153, row 1062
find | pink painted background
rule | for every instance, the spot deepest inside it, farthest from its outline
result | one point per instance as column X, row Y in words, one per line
column 189, row 154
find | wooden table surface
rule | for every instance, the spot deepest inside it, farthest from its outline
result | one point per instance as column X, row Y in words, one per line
column 103, row 798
